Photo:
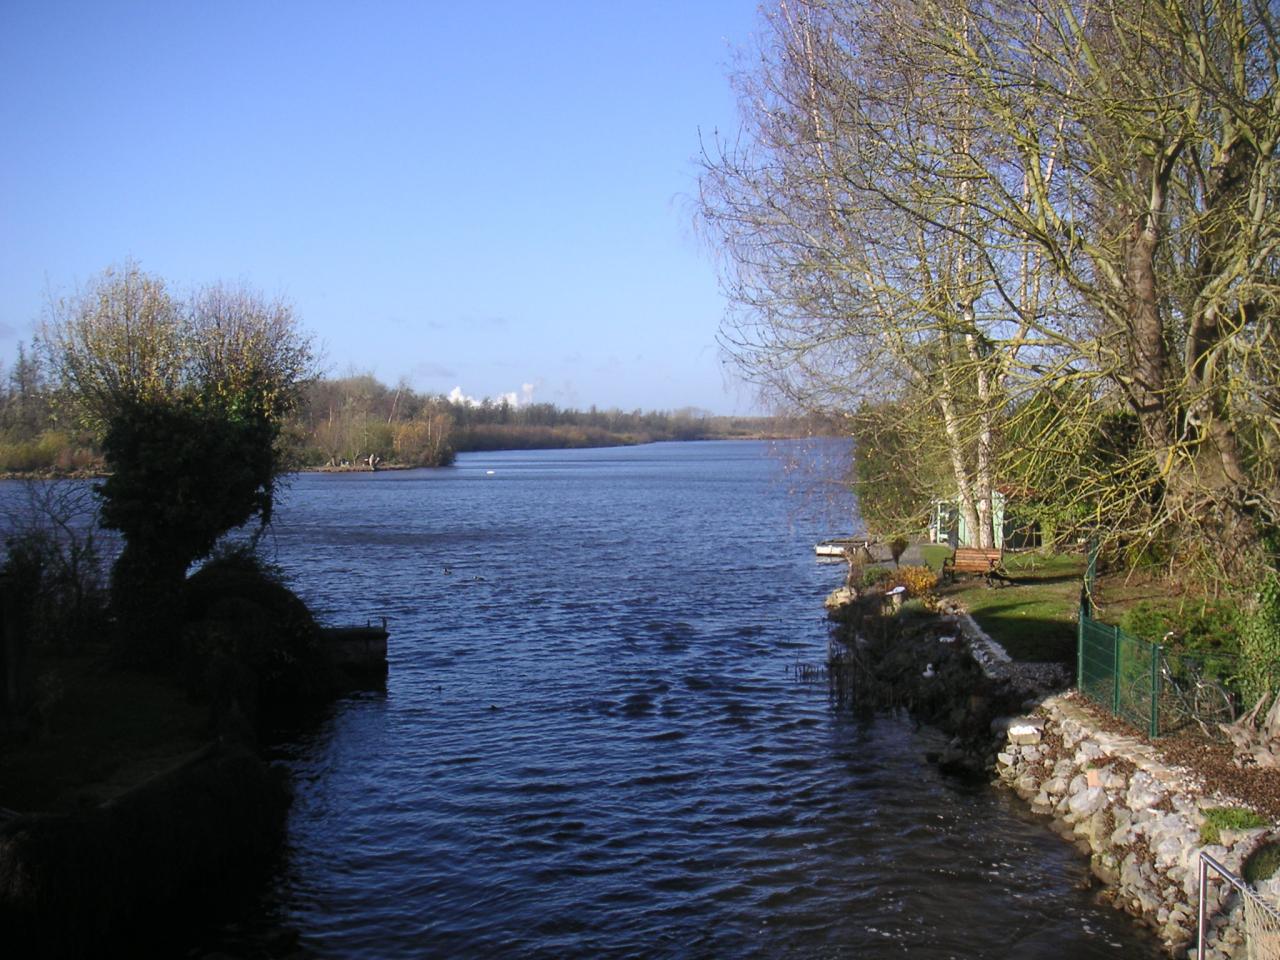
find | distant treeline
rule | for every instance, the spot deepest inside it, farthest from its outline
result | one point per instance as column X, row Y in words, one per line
column 355, row 420
column 33, row 438
column 350, row 419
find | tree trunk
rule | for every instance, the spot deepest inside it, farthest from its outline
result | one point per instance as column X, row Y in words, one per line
column 984, row 480
column 1206, row 392
column 1148, row 355
column 960, row 470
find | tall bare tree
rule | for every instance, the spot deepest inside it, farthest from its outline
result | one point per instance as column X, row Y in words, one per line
column 1042, row 218
column 860, row 260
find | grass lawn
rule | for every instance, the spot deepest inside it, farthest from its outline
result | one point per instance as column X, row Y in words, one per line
column 1034, row 616
column 106, row 731
column 934, row 554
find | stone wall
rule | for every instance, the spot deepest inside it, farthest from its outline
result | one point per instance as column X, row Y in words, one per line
column 1136, row 818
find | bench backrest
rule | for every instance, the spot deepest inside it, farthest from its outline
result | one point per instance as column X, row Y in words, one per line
column 979, row 553
column 981, row 559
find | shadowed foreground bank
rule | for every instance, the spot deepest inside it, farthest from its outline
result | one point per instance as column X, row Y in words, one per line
column 141, row 870
column 144, row 859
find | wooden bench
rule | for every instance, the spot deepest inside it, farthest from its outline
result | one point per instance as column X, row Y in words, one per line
column 974, row 560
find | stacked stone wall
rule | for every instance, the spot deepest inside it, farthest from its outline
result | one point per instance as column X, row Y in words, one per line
column 1138, row 819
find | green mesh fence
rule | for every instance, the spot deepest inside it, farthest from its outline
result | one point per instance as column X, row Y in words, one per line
column 1120, row 673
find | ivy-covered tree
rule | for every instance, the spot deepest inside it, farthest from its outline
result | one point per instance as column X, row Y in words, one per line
column 188, row 398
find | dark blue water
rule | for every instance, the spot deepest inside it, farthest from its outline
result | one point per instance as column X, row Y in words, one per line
column 593, row 743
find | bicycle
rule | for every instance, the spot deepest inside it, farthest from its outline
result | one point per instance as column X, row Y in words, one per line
column 1186, row 695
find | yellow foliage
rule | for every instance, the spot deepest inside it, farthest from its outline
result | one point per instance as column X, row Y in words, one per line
column 917, row 580
column 125, row 340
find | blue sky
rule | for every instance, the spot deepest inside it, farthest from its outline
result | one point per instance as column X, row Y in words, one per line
column 481, row 195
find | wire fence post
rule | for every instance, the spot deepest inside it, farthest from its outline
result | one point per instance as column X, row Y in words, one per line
column 1080, row 631
column 1157, row 652
column 1115, row 670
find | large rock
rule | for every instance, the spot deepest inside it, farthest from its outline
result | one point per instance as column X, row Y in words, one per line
column 1087, row 802
column 1096, row 830
column 1026, row 732
column 1144, row 791
column 840, row 597
column 1105, row 867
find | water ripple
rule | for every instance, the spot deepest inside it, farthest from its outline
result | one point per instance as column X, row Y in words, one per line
column 590, row 744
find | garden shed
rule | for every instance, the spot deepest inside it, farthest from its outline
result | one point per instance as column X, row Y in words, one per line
column 946, row 524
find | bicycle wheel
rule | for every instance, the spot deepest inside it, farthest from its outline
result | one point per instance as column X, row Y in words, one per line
column 1175, row 703
column 1213, row 705
column 1135, row 703
column 1175, row 707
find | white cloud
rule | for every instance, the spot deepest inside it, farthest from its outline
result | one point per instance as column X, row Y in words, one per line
column 522, row 398
column 457, row 396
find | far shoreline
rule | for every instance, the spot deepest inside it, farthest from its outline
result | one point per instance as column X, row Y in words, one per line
column 82, row 474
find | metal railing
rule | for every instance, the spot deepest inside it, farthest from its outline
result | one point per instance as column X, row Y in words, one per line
column 1262, row 920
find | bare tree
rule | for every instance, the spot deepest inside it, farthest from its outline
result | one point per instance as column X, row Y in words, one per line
column 1036, row 218
column 860, row 261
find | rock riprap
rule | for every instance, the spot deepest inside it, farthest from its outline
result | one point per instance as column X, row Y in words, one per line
column 1138, row 819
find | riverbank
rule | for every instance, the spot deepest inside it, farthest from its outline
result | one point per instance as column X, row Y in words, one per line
column 1142, row 820
column 97, row 469
column 1138, row 810
column 135, row 807
column 58, row 463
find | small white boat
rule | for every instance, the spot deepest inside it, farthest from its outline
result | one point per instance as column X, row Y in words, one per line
column 835, row 548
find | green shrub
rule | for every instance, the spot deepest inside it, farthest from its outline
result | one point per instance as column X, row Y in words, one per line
column 1260, row 642
column 873, row 576
column 1207, row 626
column 1263, row 863
column 1217, row 819
column 1206, row 634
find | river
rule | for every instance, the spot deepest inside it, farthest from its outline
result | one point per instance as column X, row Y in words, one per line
column 593, row 740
